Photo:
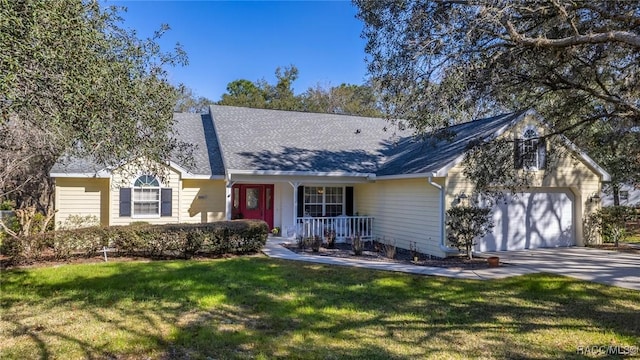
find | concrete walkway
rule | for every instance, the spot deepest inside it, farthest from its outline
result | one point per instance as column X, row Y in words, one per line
column 607, row 267
column 275, row 250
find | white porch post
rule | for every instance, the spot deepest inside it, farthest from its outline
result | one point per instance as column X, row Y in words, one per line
column 228, row 190
column 295, row 204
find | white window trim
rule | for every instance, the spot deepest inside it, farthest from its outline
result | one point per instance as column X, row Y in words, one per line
column 324, row 199
column 536, row 141
column 133, row 201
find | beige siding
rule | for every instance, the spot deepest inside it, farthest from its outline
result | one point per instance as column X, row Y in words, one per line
column 81, row 197
column 202, row 201
column 405, row 211
column 365, row 200
column 567, row 171
column 125, row 178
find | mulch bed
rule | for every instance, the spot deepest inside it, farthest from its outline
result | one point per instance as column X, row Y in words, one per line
column 402, row 256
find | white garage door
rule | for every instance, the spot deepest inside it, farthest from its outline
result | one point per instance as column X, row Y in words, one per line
column 531, row 220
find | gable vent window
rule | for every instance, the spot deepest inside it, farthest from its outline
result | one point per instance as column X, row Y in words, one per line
column 530, row 151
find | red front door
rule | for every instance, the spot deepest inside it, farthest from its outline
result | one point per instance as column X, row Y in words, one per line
column 253, row 202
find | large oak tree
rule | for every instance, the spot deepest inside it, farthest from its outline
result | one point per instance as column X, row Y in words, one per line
column 577, row 63
column 75, row 82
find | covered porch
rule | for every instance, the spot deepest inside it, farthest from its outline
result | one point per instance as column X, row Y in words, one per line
column 343, row 227
column 301, row 206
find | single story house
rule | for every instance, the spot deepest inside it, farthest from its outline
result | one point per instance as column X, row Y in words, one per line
column 307, row 173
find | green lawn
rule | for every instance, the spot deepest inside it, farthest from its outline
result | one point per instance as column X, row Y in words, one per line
column 633, row 236
column 255, row 307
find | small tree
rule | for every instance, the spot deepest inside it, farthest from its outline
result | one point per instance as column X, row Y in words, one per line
column 465, row 224
column 613, row 221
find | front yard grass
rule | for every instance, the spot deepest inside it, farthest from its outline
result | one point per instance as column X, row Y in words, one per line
column 633, row 236
column 255, row 307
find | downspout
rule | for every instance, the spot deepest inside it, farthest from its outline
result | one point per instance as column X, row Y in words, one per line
column 443, row 247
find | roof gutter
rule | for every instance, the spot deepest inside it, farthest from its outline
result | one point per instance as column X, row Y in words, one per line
column 369, row 176
column 443, row 246
column 406, row 176
column 102, row 174
column 203, row 177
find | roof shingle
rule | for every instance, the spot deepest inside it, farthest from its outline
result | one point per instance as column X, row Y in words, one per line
column 259, row 139
column 273, row 140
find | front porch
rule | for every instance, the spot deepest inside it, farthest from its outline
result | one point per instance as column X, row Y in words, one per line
column 345, row 227
column 311, row 208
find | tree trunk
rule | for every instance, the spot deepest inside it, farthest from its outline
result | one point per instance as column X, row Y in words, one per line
column 616, row 195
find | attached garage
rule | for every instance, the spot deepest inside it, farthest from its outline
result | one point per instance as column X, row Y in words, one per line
column 537, row 219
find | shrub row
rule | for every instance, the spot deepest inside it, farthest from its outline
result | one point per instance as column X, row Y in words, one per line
column 154, row 241
column 608, row 224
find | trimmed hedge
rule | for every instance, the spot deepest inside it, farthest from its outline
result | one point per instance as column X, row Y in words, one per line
column 154, row 241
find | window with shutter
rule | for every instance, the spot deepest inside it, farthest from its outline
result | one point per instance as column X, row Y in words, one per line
column 165, row 203
column 125, row 202
column 147, row 198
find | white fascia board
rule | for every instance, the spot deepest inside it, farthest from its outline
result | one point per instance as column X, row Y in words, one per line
column 301, row 173
column 406, row 176
column 532, row 113
column 445, row 169
column 98, row 175
column 586, row 158
column 179, row 168
column 202, row 177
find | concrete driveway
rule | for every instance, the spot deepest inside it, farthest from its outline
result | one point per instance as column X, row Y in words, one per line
column 602, row 266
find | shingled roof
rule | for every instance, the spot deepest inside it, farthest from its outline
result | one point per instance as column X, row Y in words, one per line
column 430, row 156
column 284, row 141
column 246, row 139
column 194, row 129
column 198, row 130
column 259, row 139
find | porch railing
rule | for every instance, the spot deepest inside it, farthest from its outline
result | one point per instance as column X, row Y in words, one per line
column 344, row 226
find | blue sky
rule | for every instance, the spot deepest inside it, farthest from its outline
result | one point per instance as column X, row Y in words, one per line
column 229, row 40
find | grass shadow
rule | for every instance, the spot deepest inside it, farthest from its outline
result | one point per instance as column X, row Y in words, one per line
column 253, row 307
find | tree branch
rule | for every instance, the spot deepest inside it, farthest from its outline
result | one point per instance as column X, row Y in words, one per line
column 10, row 232
column 625, row 37
column 608, row 98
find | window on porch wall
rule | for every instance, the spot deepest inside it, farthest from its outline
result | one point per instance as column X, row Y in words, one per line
column 323, row 201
